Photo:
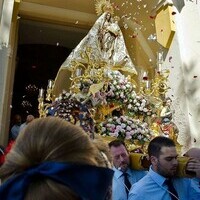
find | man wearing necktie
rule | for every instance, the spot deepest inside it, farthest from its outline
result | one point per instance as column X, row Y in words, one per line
column 161, row 182
column 124, row 177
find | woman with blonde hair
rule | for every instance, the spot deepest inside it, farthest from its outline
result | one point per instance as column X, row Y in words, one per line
column 53, row 159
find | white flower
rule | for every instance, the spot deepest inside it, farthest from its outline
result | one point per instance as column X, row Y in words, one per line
column 110, row 120
column 129, row 106
column 129, row 122
column 123, row 131
column 123, row 125
column 128, row 128
column 103, row 129
column 149, row 113
column 143, row 101
column 118, row 87
column 140, row 108
column 132, row 125
column 114, row 134
column 138, row 104
column 123, row 87
column 108, row 125
column 118, row 121
column 114, row 82
column 123, row 118
column 115, row 118
column 128, row 136
column 112, row 126
column 143, row 104
column 133, row 95
column 139, row 137
column 118, row 127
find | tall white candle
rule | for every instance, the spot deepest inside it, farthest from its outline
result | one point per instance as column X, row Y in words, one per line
column 159, row 61
column 50, row 84
column 41, row 93
column 78, row 72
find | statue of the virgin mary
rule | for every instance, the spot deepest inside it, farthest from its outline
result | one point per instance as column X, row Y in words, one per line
column 106, row 43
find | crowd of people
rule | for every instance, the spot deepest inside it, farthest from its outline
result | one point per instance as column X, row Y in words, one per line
column 54, row 159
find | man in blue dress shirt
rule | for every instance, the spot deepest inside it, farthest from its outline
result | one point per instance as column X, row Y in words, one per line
column 163, row 157
column 16, row 127
column 121, row 162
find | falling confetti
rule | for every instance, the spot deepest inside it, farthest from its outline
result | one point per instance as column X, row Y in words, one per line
column 152, row 17
column 133, row 35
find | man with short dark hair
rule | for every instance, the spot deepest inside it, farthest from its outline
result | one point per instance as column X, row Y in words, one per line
column 124, row 177
column 160, row 183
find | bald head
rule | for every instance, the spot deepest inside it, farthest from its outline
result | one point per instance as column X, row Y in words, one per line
column 193, row 153
column 29, row 118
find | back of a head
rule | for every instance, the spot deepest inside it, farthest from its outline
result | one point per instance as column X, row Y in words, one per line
column 48, row 139
column 103, row 156
column 157, row 143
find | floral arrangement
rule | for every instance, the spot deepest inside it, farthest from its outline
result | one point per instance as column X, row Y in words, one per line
column 119, row 88
column 64, row 106
column 67, row 106
column 121, row 91
column 126, row 128
column 139, row 105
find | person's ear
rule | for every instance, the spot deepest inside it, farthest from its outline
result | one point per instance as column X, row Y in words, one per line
column 153, row 160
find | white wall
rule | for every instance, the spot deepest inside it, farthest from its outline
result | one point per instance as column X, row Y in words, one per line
column 5, row 52
column 183, row 60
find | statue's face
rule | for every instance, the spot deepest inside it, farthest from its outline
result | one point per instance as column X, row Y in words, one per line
column 108, row 16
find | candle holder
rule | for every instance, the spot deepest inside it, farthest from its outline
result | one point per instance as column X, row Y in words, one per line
column 92, row 72
column 49, row 90
column 44, row 104
column 145, row 86
column 156, row 87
